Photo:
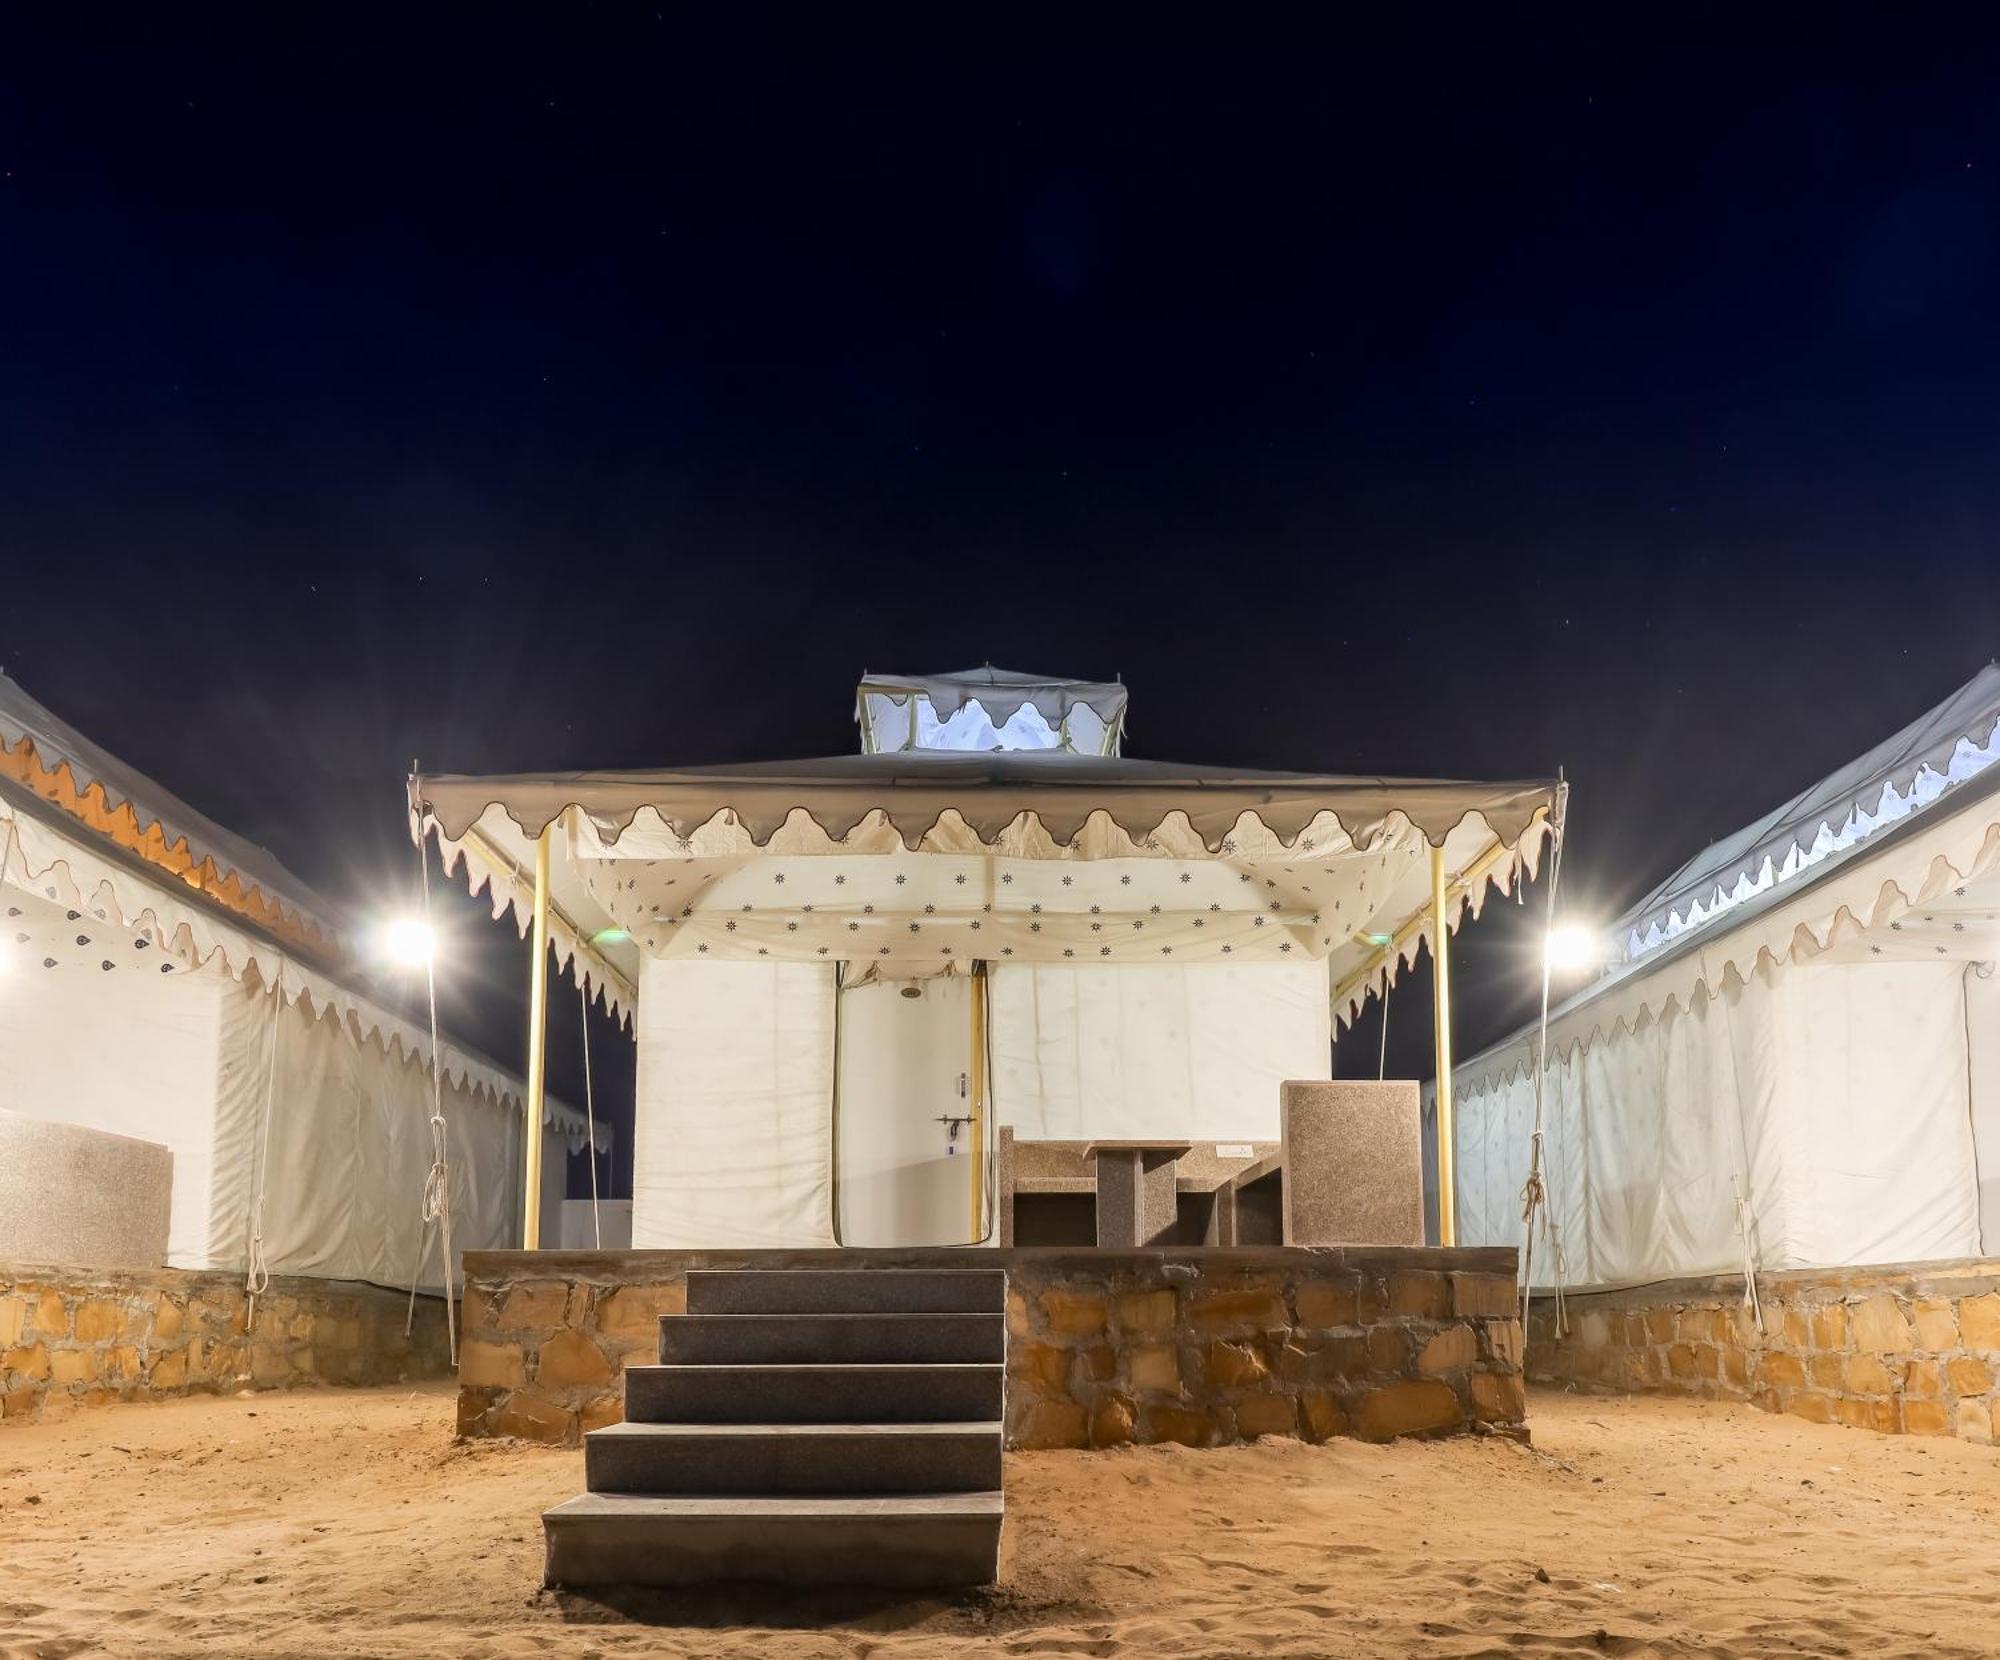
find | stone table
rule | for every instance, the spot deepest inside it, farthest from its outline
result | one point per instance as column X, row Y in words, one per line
column 1137, row 1195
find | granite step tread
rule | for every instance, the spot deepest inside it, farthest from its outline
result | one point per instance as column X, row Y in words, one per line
column 904, row 1540
column 846, row 1290
column 702, row 1339
column 871, row 1392
column 793, row 1458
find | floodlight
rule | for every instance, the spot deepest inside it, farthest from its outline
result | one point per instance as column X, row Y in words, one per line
column 1571, row 949
column 409, row 942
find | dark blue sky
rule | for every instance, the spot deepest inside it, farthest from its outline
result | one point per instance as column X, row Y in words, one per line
column 1527, row 389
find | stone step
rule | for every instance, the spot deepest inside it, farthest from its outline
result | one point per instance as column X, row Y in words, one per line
column 854, row 1394
column 925, row 1539
column 710, row 1339
column 793, row 1458
column 846, row 1291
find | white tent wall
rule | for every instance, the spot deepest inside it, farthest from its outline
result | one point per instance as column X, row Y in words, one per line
column 1835, row 1094
column 1194, row 1052
column 129, row 1054
column 733, row 1127
column 1982, row 1030
column 349, row 1150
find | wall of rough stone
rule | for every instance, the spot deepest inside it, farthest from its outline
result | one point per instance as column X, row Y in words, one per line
column 1200, row 1346
column 73, row 1337
column 1906, row 1350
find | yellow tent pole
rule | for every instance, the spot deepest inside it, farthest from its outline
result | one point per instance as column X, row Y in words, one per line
column 1441, row 1013
column 976, row 1130
column 538, row 1041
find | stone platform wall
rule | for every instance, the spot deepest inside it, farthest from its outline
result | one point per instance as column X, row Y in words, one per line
column 1195, row 1345
column 74, row 1337
column 1908, row 1350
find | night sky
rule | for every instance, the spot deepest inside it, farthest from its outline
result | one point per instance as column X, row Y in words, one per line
column 587, row 391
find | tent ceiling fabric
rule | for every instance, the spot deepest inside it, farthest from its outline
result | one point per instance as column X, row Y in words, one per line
column 917, row 862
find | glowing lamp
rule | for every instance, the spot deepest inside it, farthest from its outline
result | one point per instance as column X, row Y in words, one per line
column 611, row 936
column 409, row 942
column 1571, row 950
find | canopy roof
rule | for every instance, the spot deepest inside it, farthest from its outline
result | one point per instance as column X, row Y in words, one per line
column 987, row 709
column 915, row 859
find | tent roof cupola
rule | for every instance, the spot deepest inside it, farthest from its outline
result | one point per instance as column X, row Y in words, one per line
column 989, row 709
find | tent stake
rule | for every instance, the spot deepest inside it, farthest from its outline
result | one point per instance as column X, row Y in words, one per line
column 1441, row 1010
column 538, row 1034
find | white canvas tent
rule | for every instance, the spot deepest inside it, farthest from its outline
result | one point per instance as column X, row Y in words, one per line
column 1130, row 948
column 165, row 980
column 1804, row 1018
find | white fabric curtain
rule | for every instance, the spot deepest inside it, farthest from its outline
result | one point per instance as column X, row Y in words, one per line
column 1836, row 1096
column 734, row 1105
column 1196, row 1052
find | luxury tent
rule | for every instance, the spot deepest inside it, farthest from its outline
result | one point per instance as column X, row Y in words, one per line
column 165, row 981
column 848, row 973
column 1794, row 1059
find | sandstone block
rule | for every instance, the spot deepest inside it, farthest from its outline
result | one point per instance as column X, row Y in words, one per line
column 1503, row 1343
column 1968, row 1375
column 1868, row 1376
column 1096, row 1364
column 1414, row 1407
column 1228, row 1313
column 29, row 1362
column 170, row 1370
column 1593, row 1330
column 1054, row 1423
column 326, row 1331
column 483, row 1365
column 1071, row 1313
column 1018, row 1324
column 168, row 1318
column 1154, row 1366
column 1829, row 1326
column 1233, row 1365
column 1265, row 1414
column 1973, row 1421
column 121, row 1365
column 1680, row 1361
column 1814, row 1408
column 475, row 1308
column 1498, row 1399
column 1146, row 1313
column 1389, row 1348
column 1879, row 1326
column 1797, row 1333
column 1174, row 1423
column 97, row 1321
column 529, row 1417
column 13, row 1320
column 1924, row 1379
column 1321, row 1359
column 570, row 1360
column 1484, row 1296
column 530, row 1305
column 599, row 1410
column 1321, row 1414
column 1735, row 1367
column 1323, row 1303
column 73, row 1366
column 1111, row 1421
column 1937, row 1325
column 51, row 1315
column 474, row 1405
column 1926, row 1418
column 1042, row 1366
column 1448, row 1350
column 632, row 1312
column 20, row 1403
column 1783, row 1371
column 1826, row 1371
column 1416, row 1293
column 1979, row 1321
column 1659, row 1325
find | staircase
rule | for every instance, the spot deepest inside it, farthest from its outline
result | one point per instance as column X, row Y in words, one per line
column 805, row 1427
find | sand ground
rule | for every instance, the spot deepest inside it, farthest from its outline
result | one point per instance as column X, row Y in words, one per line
column 349, row 1523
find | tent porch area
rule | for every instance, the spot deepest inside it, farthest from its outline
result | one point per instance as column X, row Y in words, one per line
column 1196, row 1345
